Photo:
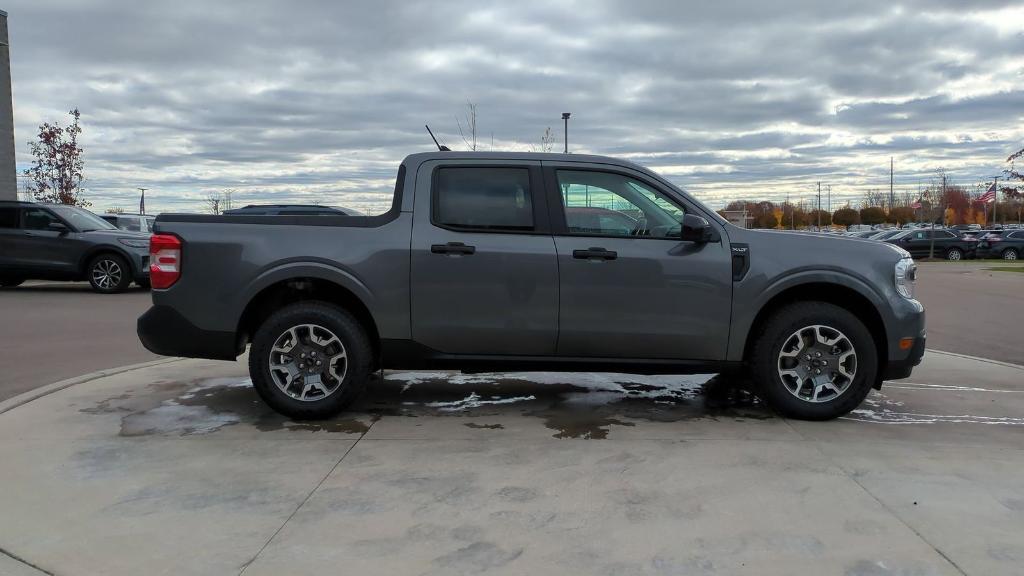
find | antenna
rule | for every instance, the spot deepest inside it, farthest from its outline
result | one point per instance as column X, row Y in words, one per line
column 439, row 147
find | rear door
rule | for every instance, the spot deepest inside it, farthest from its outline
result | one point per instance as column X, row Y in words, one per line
column 484, row 270
column 628, row 287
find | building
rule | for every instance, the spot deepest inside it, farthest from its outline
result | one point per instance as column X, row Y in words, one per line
column 739, row 218
column 8, row 170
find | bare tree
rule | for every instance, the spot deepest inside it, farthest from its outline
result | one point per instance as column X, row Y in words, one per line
column 213, row 202
column 547, row 141
column 115, row 210
column 470, row 120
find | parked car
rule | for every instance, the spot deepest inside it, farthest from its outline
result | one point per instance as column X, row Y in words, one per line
column 58, row 242
column 131, row 222
column 477, row 267
column 947, row 244
column 864, row 233
column 290, row 210
column 1008, row 245
column 886, row 234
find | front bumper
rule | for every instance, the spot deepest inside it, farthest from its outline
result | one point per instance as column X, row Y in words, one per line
column 896, row 369
column 162, row 330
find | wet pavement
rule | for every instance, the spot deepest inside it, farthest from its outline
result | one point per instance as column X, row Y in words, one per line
column 180, row 468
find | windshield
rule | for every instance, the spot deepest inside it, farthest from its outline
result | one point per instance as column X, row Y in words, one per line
column 81, row 219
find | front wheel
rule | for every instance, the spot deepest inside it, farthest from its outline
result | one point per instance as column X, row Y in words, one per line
column 814, row 361
column 954, row 254
column 109, row 273
column 310, row 360
column 1010, row 254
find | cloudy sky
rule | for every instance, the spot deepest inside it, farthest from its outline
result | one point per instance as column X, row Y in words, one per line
column 320, row 100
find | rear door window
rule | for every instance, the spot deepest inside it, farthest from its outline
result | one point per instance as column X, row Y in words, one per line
column 483, row 198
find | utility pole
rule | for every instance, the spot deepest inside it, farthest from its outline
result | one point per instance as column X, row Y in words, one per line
column 995, row 201
column 565, row 117
column 142, row 201
column 819, row 206
column 830, row 199
column 790, row 207
column 942, row 212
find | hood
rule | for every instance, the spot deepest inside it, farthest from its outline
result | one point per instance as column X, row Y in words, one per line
column 818, row 249
column 114, row 234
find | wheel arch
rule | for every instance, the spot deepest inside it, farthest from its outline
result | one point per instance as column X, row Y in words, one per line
column 98, row 250
column 858, row 302
column 278, row 292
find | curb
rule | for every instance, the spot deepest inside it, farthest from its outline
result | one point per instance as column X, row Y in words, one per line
column 976, row 359
column 26, row 397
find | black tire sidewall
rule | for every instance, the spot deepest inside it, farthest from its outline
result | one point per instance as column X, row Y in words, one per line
column 126, row 273
column 783, row 324
column 357, row 349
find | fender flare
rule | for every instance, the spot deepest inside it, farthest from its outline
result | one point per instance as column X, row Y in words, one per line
column 321, row 270
column 794, row 279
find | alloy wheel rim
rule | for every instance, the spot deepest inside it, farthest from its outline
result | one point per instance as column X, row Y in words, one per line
column 106, row 274
column 308, row 362
column 817, row 363
column 1009, row 255
column 954, row 255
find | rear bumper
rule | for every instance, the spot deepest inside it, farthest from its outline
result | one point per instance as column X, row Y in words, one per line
column 164, row 331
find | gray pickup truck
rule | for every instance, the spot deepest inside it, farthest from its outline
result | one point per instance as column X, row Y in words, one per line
column 506, row 261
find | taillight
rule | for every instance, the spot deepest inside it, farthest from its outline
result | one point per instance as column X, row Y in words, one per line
column 164, row 260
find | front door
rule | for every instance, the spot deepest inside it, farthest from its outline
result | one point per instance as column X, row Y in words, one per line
column 629, row 288
column 44, row 249
column 484, row 270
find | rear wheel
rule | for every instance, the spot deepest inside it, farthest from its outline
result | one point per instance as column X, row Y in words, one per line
column 954, row 254
column 310, row 360
column 109, row 273
column 814, row 361
column 1010, row 254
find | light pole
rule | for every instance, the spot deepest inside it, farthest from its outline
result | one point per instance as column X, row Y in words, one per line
column 565, row 117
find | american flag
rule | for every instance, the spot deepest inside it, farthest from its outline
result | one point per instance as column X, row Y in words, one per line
column 990, row 195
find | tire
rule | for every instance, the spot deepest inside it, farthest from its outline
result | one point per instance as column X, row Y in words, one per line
column 766, row 361
column 11, row 282
column 311, row 324
column 108, row 273
column 954, row 254
column 1010, row 254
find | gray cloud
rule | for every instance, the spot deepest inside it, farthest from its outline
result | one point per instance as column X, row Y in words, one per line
column 319, row 100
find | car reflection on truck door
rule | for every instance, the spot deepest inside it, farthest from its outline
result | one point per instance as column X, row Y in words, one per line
column 484, row 269
column 634, row 291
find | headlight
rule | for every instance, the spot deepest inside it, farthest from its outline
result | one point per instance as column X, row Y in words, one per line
column 134, row 242
column 906, row 275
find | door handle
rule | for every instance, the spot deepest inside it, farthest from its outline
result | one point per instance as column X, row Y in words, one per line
column 598, row 253
column 452, row 248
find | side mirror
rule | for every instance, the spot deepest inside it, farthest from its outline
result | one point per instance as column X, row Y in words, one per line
column 57, row 227
column 695, row 229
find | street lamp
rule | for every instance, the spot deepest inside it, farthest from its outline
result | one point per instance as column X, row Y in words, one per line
column 565, row 117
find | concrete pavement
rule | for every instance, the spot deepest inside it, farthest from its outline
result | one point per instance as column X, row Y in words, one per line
column 178, row 468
